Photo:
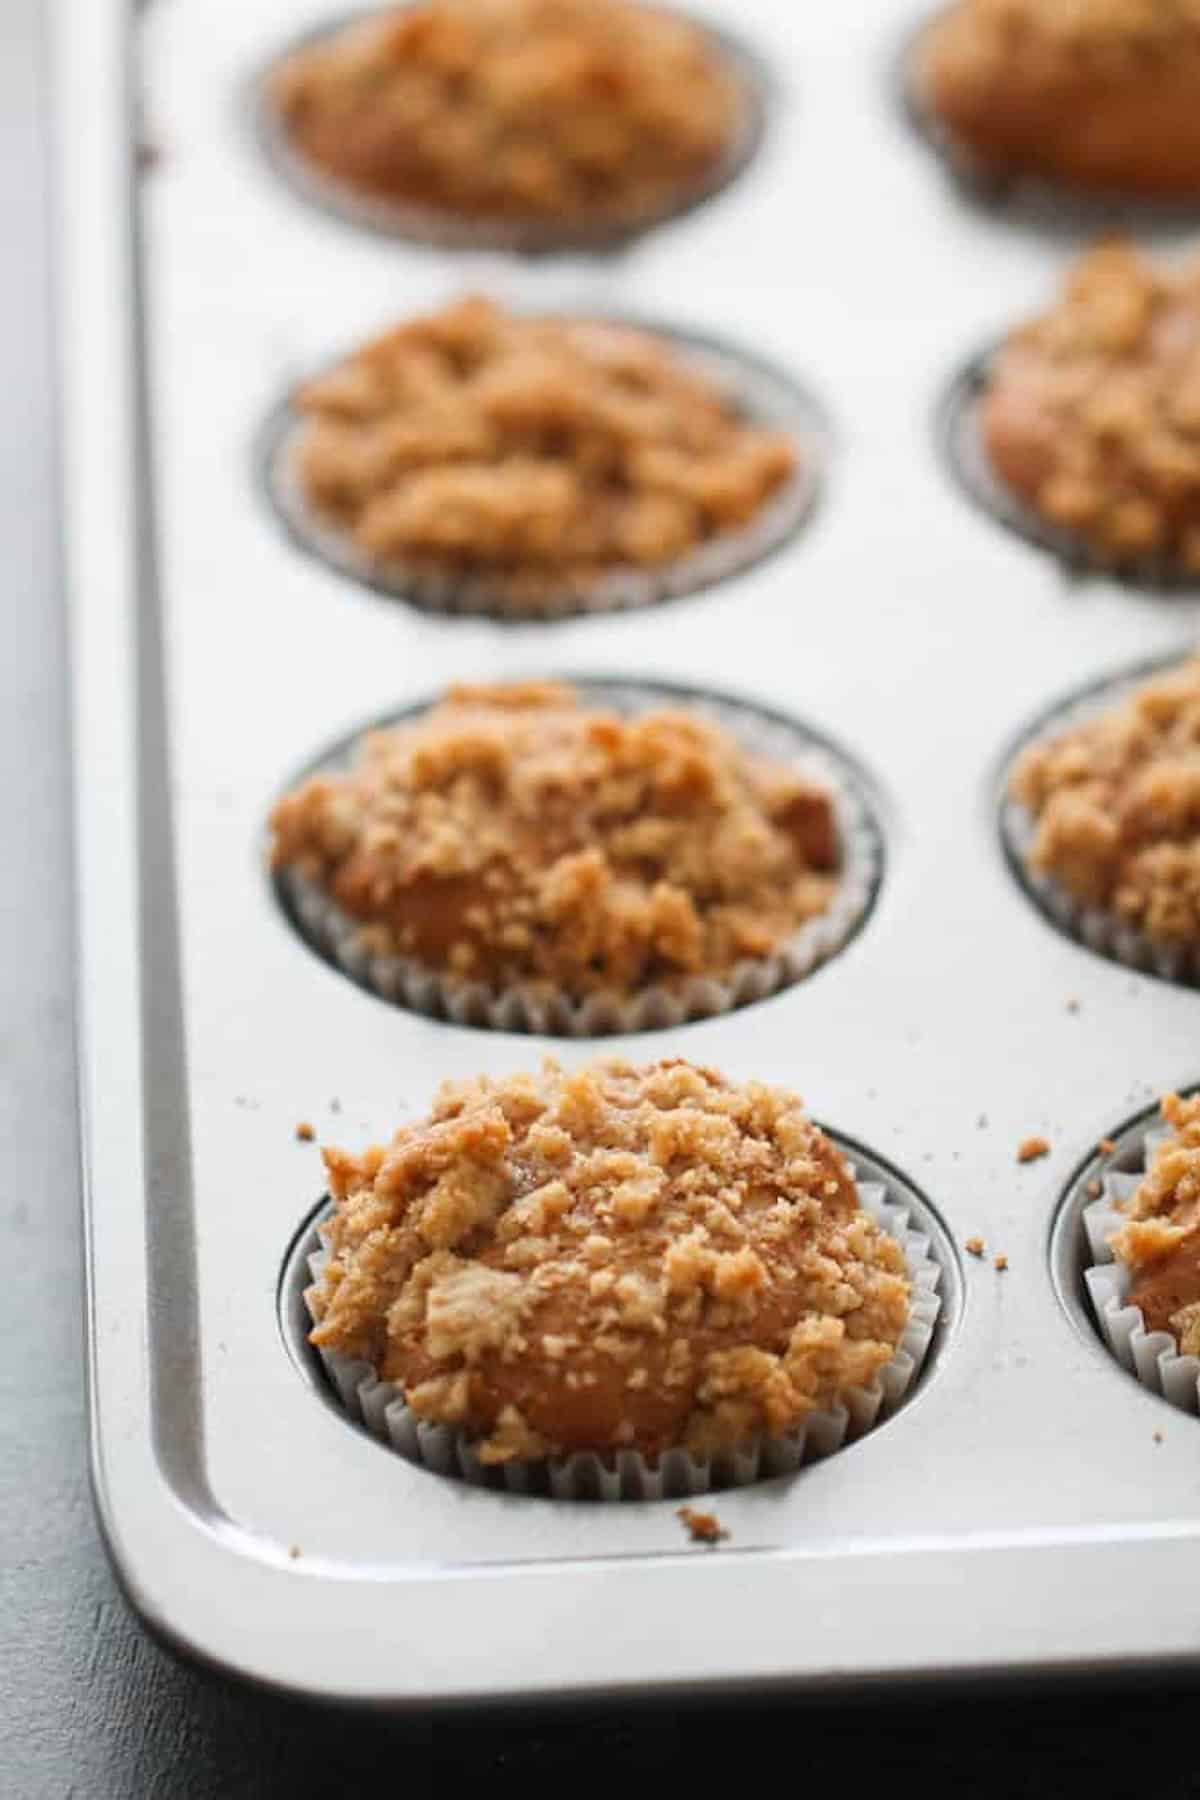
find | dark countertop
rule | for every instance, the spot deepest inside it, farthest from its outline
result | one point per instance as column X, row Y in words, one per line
column 89, row 1706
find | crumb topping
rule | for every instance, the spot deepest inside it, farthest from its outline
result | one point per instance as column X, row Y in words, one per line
column 514, row 834
column 476, row 440
column 1160, row 1243
column 1117, row 805
column 544, row 109
column 540, row 1316
column 1092, row 412
column 702, row 1527
column 975, row 1246
column 1031, row 1148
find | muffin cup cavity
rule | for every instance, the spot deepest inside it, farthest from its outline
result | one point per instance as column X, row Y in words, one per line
column 1152, row 1356
column 379, row 1406
column 960, row 441
column 762, row 394
column 1091, row 926
column 536, row 1007
column 440, row 228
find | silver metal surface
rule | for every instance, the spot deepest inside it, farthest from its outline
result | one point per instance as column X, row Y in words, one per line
column 1018, row 1514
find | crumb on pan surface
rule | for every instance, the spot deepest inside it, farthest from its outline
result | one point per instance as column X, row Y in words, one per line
column 702, row 1527
column 305, row 1132
column 517, row 834
column 1097, row 94
column 1116, row 801
column 1160, row 1242
column 1031, row 1148
column 1091, row 414
column 975, row 1246
column 482, row 441
column 617, row 1257
column 514, row 109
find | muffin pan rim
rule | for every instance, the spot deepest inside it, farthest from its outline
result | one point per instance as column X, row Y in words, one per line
column 773, row 530
column 432, row 228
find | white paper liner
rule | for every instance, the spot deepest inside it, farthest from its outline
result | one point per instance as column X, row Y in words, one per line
column 1153, row 1356
column 626, row 1474
column 1092, row 926
column 535, row 1007
column 762, row 395
column 535, row 235
column 971, row 466
column 1039, row 197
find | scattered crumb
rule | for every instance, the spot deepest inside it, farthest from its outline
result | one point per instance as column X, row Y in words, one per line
column 1107, row 1146
column 1030, row 1148
column 1158, row 1437
column 1072, row 1006
column 703, row 1527
column 335, row 1106
column 1001, row 1263
column 974, row 1246
column 981, row 1122
column 305, row 1132
column 1095, row 1188
column 293, row 1551
column 147, row 156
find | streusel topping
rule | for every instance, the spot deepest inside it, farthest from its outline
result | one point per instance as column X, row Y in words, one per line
column 476, row 440
column 1160, row 1245
column 1093, row 410
column 618, row 1257
column 515, row 834
column 1117, row 804
column 553, row 109
column 1113, row 33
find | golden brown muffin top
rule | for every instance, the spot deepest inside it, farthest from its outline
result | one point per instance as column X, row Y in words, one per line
column 1093, row 410
column 1113, row 37
column 476, row 439
column 1160, row 1245
column 1117, row 804
column 554, row 109
column 618, row 1257
column 516, row 834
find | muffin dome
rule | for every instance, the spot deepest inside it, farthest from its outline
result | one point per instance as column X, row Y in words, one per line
column 516, row 836
column 616, row 1258
column 570, row 111
column 1097, row 94
column 1092, row 412
column 1116, row 801
column 478, row 443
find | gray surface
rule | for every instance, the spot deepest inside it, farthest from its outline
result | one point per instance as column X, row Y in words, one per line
column 87, row 1705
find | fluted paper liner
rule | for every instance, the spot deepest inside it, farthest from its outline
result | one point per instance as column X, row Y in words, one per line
column 536, row 1006
column 1153, row 1356
column 763, row 396
column 1093, row 926
column 445, row 229
column 678, row 1474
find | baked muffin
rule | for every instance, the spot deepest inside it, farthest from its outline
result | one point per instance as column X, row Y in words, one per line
column 1091, row 414
column 519, row 837
column 1100, row 95
column 616, row 1259
column 1116, row 805
column 1160, row 1243
column 538, row 456
column 534, row 116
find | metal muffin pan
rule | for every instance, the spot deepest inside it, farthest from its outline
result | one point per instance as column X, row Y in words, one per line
column 1019, row 1515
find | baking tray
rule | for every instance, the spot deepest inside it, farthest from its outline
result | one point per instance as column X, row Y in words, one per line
column 1020, row 1513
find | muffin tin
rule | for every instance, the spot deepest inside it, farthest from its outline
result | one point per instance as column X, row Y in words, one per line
column 1030, row 1508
